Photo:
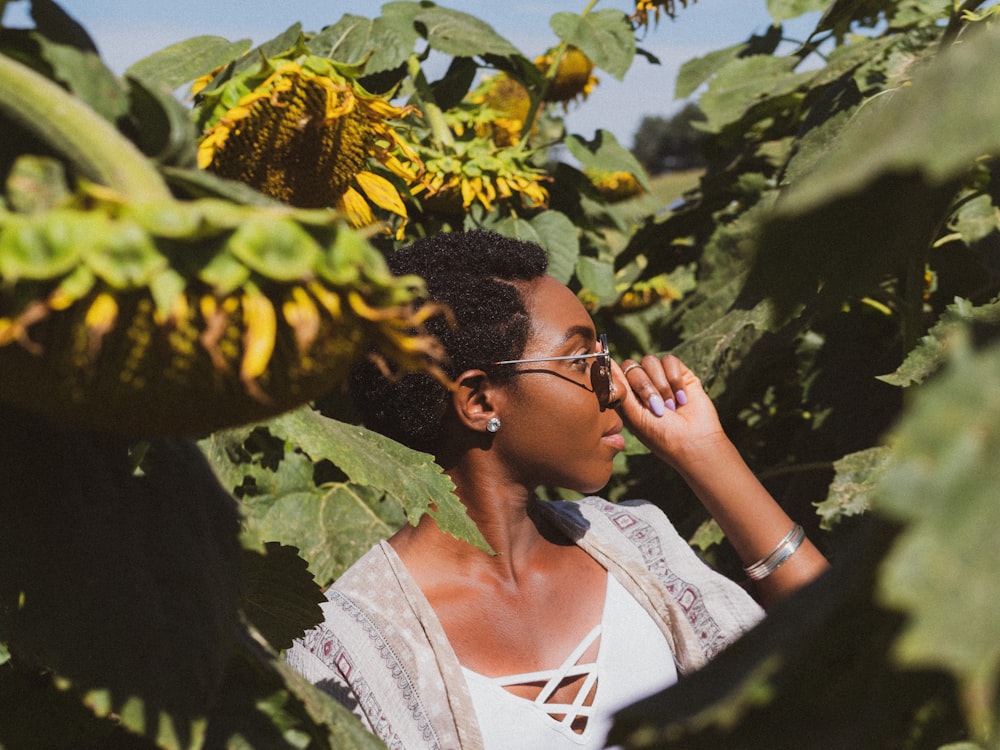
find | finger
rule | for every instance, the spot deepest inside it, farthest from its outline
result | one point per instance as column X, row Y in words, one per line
column 644, row 387
column 680, row 378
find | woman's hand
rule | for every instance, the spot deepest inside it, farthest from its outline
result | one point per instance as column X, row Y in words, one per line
column 667, row 409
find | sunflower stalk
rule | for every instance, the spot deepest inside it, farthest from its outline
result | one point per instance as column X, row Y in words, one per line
column 550, row 74
column 435, row 117
column 75, row 131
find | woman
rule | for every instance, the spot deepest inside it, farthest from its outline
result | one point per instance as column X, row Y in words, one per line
column 584, row 607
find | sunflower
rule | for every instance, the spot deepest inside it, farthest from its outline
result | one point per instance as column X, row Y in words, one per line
column 468, row 168
column 573, row 77
column 614, row 186
column 301, row 131
column 645, row 8
column 503, row 106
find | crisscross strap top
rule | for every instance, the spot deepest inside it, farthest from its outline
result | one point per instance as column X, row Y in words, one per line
column 633, row 661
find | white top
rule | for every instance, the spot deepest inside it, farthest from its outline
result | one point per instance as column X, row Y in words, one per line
column 633, row 662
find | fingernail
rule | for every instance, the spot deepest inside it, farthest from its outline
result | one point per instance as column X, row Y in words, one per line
column 682, row 397
column 656, row 405
column 671, row 405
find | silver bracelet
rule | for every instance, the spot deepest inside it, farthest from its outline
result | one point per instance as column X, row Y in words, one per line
column 777, row 557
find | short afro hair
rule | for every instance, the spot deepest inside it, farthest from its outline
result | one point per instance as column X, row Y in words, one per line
column 475, row 275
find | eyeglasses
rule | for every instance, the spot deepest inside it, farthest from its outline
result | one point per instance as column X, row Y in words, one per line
column 600, row 371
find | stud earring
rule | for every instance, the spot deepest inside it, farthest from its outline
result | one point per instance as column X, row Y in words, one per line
column 493, row 424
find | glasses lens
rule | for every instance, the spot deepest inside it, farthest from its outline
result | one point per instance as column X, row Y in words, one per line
column 600, row 374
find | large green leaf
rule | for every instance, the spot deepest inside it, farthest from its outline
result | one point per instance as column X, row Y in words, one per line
column 948, row 336
column 942, row 571
column 383, row 43
column 744, row 82
column 605, row 36
column 126, row 587
column 409, row 477
column 460, row 34
column 332, row 525
column 281, row 599
column 180, row 63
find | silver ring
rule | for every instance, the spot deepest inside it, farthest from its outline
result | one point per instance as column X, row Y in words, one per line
column 631, row 367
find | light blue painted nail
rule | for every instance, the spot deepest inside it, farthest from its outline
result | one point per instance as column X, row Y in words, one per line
column 671, row 405
column 656, row 405
column 682, row 398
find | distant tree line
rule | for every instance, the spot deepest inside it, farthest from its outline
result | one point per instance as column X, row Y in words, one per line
column 663, row 144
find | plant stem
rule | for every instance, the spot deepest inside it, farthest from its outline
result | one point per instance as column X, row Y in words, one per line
column 76, row 132
column 550, row 74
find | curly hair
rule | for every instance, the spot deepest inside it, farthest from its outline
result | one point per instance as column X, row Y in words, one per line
column 474, row 274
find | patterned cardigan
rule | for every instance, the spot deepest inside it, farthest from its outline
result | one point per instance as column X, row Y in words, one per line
column 382, row 652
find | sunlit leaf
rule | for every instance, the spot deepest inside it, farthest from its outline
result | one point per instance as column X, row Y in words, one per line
column 949, row 335
column 460, row 34
column 333, row 525
column 411, row 478
column 185, row 61
column 851, row 490
column 744, row 82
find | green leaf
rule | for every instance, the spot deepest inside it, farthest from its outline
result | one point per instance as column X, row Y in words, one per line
column 180, row 63
column 83, row 72
column 605, row 153
column 383, row 43
column 4, row 653
column 332, row 525
column 278, row 249
column 942, row 485
column 119, row 252
column 460, row 34
column 698, row 70
column 281, row 598
column 746, row 82
column 782, row 10
column 605, row 36
column 925, row 127
column 598, row 278
column 950, row 335
column 853, row 485
column 56, row 24
column 31, row 250
column 146, row 568
column 560, row 238
column 36, row 184
column 409, row 477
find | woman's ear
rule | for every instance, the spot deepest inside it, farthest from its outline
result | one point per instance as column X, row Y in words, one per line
column 475, row 399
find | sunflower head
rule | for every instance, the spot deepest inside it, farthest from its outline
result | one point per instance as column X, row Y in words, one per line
column 614, row 186
column 475, row 168
column 574, row 75
column 503, row 105
column 646, row 8
column 299, row 130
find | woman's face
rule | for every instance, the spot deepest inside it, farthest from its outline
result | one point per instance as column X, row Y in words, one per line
column 554, row 431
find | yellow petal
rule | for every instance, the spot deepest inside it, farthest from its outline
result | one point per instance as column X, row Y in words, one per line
column 381, row 192
column 359, row 213
column 259, row 327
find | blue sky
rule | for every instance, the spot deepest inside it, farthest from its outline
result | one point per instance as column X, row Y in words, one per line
column 127, row 30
